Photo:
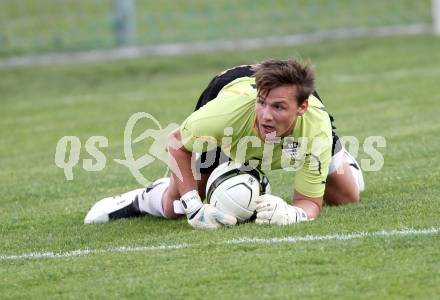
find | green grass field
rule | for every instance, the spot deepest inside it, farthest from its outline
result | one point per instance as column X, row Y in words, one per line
column 374, row 87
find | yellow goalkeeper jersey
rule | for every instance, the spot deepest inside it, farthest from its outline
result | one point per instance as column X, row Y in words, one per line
column 228, row 121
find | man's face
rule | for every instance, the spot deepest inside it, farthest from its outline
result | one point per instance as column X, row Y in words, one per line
column 277, row 111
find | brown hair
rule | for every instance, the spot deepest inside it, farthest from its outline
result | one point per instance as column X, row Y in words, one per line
column 273, row 73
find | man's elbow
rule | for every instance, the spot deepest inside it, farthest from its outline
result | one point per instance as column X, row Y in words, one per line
column 174, row 142
column 312, row 206
column 314, row 213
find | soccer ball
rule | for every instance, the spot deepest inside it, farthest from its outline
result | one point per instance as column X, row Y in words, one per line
column 232, row 188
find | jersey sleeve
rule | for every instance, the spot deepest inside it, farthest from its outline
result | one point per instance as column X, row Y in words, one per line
column 205, row 128
column 202, row 131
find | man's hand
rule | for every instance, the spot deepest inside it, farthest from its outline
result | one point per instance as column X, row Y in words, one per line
column 274, row 210
column 204, row 216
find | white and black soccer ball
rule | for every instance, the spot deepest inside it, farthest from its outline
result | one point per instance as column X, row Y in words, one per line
column 233, row 189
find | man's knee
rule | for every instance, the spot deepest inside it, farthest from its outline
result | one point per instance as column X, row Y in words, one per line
column 338, row 197
column 350, row 197
column 345, row 180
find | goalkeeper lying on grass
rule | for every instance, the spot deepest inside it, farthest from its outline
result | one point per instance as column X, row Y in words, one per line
column 274, row 105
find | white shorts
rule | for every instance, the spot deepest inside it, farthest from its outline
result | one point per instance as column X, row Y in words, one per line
column 336, row 163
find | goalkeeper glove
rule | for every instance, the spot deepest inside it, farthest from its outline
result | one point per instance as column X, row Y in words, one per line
column 204, row 216
column 274, row 210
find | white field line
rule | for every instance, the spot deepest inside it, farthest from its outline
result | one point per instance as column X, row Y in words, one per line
column 335, row 237
column 245, row 240
column 84, row 252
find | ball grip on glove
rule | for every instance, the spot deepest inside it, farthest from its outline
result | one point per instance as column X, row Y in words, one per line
column 204, row 216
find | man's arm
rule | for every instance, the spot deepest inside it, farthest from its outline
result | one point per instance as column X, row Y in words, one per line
column 200, row 216
column 180, row 163
column 312, row 206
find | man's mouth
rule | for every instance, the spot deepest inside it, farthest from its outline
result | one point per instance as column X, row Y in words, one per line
column 267, row 129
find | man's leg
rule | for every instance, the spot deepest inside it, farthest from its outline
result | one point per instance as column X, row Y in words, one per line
column 160, row 199
column 131, row 204
column 345, row 180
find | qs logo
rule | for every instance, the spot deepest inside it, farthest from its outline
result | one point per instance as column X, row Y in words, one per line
column 157, row 150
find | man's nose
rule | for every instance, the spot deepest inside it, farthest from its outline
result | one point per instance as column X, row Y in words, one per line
column 267, row 114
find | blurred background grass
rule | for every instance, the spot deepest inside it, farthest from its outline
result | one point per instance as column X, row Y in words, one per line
column 42, row 26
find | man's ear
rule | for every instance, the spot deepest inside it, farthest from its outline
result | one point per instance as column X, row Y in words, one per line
column 303, row 107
